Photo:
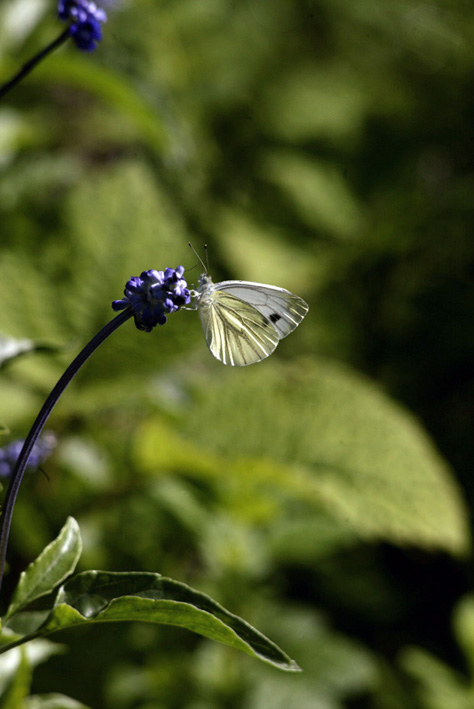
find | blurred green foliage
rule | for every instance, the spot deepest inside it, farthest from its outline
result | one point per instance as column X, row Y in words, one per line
column 326, row 494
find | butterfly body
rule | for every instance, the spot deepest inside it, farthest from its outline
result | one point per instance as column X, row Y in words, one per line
column 244, row 321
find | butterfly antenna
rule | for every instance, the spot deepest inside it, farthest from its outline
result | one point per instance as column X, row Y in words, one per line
column 206, row 268
column 207, row 257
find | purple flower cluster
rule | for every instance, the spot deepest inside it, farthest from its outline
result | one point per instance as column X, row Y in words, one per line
column 86, row 20
column 41, row 451
column 153, row 295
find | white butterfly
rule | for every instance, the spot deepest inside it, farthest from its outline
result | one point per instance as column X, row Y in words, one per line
column 243, row 322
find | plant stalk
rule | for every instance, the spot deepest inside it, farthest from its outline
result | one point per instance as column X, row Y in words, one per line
column 40, row 421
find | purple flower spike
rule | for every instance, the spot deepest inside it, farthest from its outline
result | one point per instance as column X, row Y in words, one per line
column 85, row 18
column 153, row 295
column 86, row 34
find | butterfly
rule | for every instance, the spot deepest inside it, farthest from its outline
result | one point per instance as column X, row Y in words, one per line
column 243, row 321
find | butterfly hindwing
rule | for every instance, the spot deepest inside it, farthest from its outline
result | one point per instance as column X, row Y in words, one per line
column 282, row 308
column 236, row 332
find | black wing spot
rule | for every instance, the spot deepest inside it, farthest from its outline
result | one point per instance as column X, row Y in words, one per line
column 274, row 317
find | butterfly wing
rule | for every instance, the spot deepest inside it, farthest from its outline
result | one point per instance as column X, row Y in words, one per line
column 236, row 332
column 282, row 308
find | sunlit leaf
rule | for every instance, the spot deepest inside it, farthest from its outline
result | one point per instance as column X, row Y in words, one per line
column 55, row 563
column 52, row 701
column 318, row 192
column 321, row 434
column 19, row 686
column 437, row 685
column 11, row 348
column 263, row 253
column 26, row 657
column 463, row 623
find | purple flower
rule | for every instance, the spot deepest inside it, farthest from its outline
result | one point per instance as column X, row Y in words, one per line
column 41, row 451
column 86, row 18
column 80, row 11
column 153, row 295
column 86, row 34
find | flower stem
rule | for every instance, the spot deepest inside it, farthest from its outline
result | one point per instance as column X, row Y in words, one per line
column 35, row 432
column 30, row 65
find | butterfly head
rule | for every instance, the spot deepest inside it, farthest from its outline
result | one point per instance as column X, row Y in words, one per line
column 205, row 289
column 204, row 281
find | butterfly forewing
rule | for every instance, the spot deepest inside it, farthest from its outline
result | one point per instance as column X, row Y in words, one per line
column 236, row 332
column 282, row 308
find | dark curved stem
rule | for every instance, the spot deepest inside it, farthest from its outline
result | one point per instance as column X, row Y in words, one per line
column 30, row 65
column 35, row 432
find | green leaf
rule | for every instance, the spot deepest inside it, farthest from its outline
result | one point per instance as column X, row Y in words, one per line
column 340, row 669
column 307, row 102
column 317, row 191
column 437, row 685
column 55, row 563
column 11, row 348
column 117, row 91
column 52, row 701
column 103, row 596
column 16, row 667
column 319, row 434
column 19, row 687
column 463, row 624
